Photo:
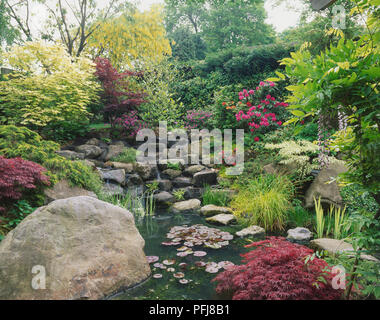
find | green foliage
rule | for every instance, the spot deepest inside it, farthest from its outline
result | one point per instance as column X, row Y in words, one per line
column 179, row 194
column 174, row 165
column 207, row 83
column 308, row 131
column 344, row 79
column 78, row 173
column 20, row 210
column 298, row 216
column 51, row 89
column 161, row 104
column 127, row 156
column 358, row 200
column 335, row 223
column 219, row 24
column 300, row 154
column 27, row 144
column 24, row 143
column 215, row 197
column 265, row 201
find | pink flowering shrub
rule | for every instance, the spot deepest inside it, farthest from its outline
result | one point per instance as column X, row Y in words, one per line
column 258, row 111
column 131, row 123
column 197, row 119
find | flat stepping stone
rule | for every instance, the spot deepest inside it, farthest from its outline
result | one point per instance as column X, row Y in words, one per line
column 212, row 210
column 335, row 247
column 223, row 219
column 299, row 234
column 186, row 206
column 253, row 231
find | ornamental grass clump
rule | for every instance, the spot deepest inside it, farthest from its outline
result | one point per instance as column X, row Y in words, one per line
column 278, row 270
column 264, row 202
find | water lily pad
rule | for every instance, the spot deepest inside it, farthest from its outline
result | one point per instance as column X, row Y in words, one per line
column 182, row 254
column 169, row 262
column 183, row 265
column 211, row 270
column 183, row 248
column 152, row 259
column 200, row 253
column 179, row 275
column 200, row 264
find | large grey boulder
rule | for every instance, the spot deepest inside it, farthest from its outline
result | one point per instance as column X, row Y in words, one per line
column 204, row 177
column 212, row 210
column 63, row 190
column 89, row 151
column 323, row 187
column 87, row 249
column 187, row 206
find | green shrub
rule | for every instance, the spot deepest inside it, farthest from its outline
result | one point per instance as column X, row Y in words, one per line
column 24, row 143
column 297, row 216
column 51, row 89
column 127, row 156
column 215, row 197
column 264, row 201
column 358, row 200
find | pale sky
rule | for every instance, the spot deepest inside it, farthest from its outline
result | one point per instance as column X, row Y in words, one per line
column 280, row 17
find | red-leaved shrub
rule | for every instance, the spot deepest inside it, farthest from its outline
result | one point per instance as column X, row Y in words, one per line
column 18, row 177
column 276, row 270
column 118, row 96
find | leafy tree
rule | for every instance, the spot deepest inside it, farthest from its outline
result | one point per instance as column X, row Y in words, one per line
column 49, row 87
column 130, row 37
column 73, row 22
column 187, row 45
column 234, row 23
column 7, row 32
column 220, row 23
column 314, row 26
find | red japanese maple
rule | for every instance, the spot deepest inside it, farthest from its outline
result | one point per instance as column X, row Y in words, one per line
column 276, row 270
column 118, row 96
column 17, row 177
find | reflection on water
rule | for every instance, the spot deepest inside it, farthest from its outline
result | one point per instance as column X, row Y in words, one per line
column 154, row 230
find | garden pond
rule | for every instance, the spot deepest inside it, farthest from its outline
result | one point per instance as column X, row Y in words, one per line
column 179, row 270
